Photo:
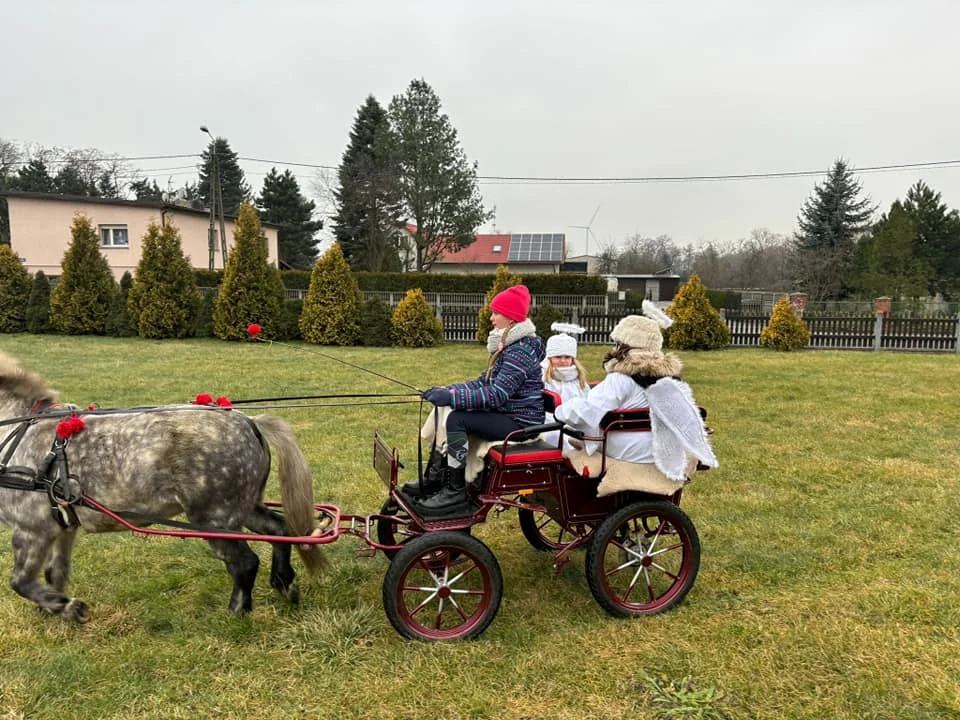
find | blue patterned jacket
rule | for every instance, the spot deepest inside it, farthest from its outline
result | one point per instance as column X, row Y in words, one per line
column 515, row 385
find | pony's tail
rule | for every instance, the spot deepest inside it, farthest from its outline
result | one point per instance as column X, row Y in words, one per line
column 296, row 487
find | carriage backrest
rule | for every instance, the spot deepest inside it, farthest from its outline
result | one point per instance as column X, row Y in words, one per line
column 551, row 400
column 637, row 419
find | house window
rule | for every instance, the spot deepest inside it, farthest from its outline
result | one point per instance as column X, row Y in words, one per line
column 498, row 248
column 113, row 236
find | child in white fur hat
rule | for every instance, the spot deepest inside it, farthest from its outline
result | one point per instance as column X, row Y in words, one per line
column 562, row 372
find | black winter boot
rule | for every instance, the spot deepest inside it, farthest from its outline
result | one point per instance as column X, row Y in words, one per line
column 432, row 477
column 452, row 498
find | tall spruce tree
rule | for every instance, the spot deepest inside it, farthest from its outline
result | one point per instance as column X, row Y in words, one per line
column 830, row 222
column 9, row 161
column 251, row 291
column 938, row 238
column 438, row 185
column 368, row 213
column 281, row 203
column 82, row 300
column 163, row 298
column 14, row 291
column 233, row 184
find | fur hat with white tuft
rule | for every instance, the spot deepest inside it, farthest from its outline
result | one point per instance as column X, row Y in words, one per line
column 563, row 343
column 643, row 333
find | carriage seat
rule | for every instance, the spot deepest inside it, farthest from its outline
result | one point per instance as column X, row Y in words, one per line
column 530, row 452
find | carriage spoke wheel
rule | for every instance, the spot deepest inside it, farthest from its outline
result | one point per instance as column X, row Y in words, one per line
column 543, row 532
column 643, row 559
column 399, row 531
column 443, row 585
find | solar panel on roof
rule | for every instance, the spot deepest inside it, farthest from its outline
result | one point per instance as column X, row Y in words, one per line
column 536, row 247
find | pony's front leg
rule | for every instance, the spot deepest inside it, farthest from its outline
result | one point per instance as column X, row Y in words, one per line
column 57, row 572
column 30, row 551
column 242, row 564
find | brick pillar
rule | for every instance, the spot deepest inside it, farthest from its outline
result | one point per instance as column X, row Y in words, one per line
column 881, row 305
column 798, row 301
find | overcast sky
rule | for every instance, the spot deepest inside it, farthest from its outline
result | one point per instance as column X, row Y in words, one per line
column 550, row 89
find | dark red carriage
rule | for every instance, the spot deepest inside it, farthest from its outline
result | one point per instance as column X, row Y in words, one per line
column 642, row 550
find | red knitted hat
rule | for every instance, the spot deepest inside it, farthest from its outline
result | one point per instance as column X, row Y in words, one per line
column 514, row 303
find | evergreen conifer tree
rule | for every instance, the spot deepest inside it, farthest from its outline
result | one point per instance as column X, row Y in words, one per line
column 163, row 298
column 251, row 291
column 233, row 184
column 331, row 311
column 34, row 177
column 119, row 323
column 501, row 281
column 14, row 291
column 376, row 323
column 696, row 323
column 414, row 322
column 38, row 307
column 438, row 185
column 938, row 238
column 830, row 222
column 368, row 197
column 888, row 261
column 81, row 301
column 785, row 331
column 281, row 203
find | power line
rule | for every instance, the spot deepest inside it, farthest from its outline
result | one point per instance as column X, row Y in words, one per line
column 554, row 180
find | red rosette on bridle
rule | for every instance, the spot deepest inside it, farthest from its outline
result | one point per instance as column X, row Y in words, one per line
column 69, row 427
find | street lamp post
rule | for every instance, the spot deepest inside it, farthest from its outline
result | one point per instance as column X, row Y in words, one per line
column 216, row 196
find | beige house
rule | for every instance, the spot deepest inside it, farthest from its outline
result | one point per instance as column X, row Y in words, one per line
column 40, row 230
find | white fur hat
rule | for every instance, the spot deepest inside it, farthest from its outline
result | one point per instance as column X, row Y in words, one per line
column 642, row 333
column 561, row 345
column 564, row 342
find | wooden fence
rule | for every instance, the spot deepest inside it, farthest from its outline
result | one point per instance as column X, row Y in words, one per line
column 930, row 334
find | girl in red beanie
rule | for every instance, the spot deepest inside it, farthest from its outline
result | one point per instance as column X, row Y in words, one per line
column 507, row 397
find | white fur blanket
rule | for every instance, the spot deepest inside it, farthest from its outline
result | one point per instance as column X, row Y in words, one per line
column 622, row 475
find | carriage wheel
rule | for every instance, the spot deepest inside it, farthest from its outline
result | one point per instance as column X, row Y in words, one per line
column 442, row 586
column 543, row 532
column 643, row 559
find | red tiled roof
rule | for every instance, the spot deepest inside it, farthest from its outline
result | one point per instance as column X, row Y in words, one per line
column 481, row 251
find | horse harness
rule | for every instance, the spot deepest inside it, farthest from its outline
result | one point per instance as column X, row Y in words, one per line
column 51, row 476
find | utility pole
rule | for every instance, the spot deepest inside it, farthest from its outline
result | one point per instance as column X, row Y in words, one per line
column 216, row 197
column 212, row 231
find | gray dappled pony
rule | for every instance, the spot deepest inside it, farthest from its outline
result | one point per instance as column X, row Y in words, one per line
column 209, row 464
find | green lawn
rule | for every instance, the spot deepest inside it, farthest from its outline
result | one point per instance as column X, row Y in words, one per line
column 829, row 585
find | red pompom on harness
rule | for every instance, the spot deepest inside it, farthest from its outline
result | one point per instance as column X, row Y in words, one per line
column 70, row 427
column 207, row 399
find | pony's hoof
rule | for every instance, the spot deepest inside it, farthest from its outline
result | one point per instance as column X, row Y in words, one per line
column 77, row 611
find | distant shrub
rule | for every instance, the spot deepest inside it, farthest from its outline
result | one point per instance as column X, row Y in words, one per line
column 696, row 323
column 331, row 312
column 38, row 306
column 163, row 297
column 14, row 291
column 544, row 317
column 785, row 331
column 376, row 323
column 119, row 323
column 414, row 322
column 82, row 300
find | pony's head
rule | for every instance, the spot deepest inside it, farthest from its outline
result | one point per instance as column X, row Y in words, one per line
column 20, row 387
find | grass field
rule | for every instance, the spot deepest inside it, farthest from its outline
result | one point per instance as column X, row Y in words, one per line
column 829, row 585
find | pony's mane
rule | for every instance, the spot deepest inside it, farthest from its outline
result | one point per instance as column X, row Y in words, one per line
column 22, row 383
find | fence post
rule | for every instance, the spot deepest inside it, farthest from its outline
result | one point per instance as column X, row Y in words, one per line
column 956, row 335
column 877, row 329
